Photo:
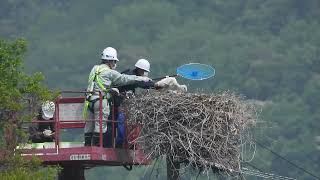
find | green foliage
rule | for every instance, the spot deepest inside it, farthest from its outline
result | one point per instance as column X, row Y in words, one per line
column 20, row 169
column 19, row 93
column 18, row 90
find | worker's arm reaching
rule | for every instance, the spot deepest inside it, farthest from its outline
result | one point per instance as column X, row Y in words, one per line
column 137, row 84
column 145, row 85
column 144, row 64
column 121, row 79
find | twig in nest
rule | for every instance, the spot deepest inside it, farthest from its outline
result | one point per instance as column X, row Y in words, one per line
column 201, row 130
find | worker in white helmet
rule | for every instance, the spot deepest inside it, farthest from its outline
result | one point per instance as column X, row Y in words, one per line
column 142, row 68
column 43, row 131
column 102, row 77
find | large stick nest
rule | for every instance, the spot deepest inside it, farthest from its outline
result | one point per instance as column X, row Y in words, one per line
column 202, row 130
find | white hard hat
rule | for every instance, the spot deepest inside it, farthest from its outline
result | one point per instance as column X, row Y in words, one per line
column 48, row 109
column 109, row 53
column 143, row 64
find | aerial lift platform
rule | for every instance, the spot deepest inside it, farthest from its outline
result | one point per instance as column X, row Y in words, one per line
column 74, row 157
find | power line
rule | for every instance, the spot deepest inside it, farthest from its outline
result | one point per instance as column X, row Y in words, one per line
column 254, row 167
column 260, row 173
column 288, row 161
column 264, row 174
column 153, row 168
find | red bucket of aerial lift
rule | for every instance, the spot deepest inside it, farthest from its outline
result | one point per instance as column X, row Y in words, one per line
column 68, row 115
column 134, row 133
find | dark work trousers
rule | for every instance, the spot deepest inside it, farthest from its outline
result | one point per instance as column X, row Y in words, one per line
column 107, row 136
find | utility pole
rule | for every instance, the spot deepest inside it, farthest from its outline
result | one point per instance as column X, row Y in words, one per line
column 318, row 142
column 72, row 171
column 172, row 168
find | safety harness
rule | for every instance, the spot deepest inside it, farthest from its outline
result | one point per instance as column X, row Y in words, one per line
column 95, row 78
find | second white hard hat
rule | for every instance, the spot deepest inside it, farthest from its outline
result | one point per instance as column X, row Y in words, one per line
column 109, row 53
column 143, row 64
column 48, row 108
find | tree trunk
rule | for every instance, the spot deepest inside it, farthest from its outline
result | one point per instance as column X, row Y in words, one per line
column 72, row 171
column 172, row 168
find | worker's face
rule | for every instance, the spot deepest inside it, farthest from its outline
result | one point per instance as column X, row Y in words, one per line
column 141, row 72
column 112, row 64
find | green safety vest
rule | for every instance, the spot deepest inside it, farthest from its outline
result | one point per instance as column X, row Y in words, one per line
column 95, row 78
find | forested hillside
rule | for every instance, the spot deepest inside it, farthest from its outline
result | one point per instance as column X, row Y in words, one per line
column 267, row 50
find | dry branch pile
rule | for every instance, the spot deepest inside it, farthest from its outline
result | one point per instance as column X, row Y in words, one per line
column 202, row 130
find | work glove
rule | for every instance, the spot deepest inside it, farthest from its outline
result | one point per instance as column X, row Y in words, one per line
column 47, row 133
column 114, row 91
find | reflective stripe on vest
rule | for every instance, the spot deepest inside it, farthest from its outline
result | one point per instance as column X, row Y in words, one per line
column 97, row 79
